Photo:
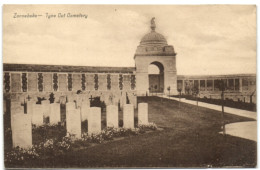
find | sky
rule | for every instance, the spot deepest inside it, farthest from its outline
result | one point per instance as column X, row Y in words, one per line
column 208, row 39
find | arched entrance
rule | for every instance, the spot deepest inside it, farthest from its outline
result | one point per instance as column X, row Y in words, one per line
column 156, row 77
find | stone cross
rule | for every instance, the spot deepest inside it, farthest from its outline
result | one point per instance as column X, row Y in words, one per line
column 28, row 98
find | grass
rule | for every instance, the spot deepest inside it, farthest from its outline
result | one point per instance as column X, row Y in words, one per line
column 190, row 139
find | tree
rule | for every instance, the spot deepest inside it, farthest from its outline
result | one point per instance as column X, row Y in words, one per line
column 222, row 86
column 195, row 92
column 169, row 89
column 179, row 90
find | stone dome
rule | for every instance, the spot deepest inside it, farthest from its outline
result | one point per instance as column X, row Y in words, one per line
column 154, row 44
column 153, row 38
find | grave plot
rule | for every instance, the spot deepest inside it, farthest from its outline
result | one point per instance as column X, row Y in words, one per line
column 81, row 130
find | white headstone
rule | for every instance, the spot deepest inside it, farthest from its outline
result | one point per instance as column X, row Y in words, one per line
column 30, row 107
column 123, row 99
column 37, row 114
column 71, row 97
column 112, row 116
column 84, row 110
column 73, row 123
column 135, row 101
column 45, row 102
column 79, row 100
column 22, row 131
column 132, row 99
column 62, row 99
column 128, row 116
column 16, row 109
column 70, row 106
column 142, row 113
column 46, row 108
column 94, row 120
column 55, row 116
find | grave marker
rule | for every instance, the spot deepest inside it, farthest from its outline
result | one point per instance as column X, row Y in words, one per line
column 84, row 110
column 70, row 106
column 46, row 108
column 128, row 116
column 142, row 113
column 37, row 114
column 30, row 107
column 73, row 123
column 94, row 121
column 22, row 131
column 16, row 109
column 112, row 116
column 55, row 116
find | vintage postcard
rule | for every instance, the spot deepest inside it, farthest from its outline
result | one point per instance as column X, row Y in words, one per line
column 129, row 86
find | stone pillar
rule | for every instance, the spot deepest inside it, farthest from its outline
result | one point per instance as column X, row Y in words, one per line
column 170, row 79
column 240, row 85
column 142, row 84
column 55, row 116
column 37, row 115
column 227, row 86
column 234, row 84
column 94, row 121
column 213, row 85
column 142, row 113
column 128, row 116
column 73, row 123
column 22, row 131
column 199, row 85
column 183, row 86
column 206, row 85
column 112, row 116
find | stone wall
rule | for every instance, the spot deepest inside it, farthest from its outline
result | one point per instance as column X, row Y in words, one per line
column 31, row 82
column 23, row 83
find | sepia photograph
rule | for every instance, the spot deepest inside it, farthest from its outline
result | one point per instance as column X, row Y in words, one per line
column 129, row 86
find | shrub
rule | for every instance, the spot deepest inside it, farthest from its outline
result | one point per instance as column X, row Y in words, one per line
column 149, row 126
column 19, row 155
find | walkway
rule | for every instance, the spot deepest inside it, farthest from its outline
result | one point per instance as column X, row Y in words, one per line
column 247, row 130
column 239, row 112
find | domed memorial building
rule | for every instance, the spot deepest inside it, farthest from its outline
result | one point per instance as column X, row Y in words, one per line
column 119, row 85
column 154, row 49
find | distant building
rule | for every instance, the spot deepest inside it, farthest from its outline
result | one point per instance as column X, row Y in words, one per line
column 238, row 87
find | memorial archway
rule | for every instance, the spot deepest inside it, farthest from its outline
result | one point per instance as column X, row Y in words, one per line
column 156, row 77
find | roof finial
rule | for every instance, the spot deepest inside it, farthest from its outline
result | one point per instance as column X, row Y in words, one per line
column 153, row 26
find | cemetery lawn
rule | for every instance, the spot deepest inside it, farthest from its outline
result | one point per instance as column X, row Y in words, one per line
column 190, row 138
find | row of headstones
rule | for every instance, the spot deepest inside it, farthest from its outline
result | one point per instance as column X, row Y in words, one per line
column 38, row 111
column 21, row 124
